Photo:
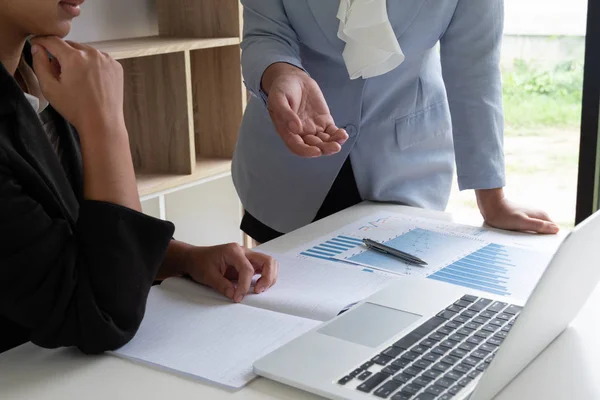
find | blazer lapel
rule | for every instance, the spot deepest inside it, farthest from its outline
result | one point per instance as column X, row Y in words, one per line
column 32, row 143
column 325, row 13
column 401, row 13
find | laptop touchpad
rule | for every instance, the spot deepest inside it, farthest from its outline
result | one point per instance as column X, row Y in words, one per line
column 369, row 324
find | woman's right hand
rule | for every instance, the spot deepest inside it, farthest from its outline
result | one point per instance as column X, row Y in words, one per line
column 83, row 84
column 300, row 113
column 86, row 87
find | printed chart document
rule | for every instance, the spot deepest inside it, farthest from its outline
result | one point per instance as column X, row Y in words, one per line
column 503, row 263
column 194, row 331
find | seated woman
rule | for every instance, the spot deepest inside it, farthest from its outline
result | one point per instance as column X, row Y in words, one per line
column 77, row 257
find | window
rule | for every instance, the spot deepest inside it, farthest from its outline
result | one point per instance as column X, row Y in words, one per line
column 542, row 66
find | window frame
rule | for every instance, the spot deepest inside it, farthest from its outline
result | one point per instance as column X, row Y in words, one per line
column 588, row 181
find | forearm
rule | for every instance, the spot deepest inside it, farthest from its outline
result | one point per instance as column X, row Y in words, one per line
column 269, row 38
column 470, row 52
column 108, row 167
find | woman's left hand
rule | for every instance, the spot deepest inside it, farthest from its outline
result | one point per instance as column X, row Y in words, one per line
column 229, row 269
column 500, row 213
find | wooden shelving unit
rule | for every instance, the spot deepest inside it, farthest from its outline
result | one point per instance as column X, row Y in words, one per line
column 184, row 97
column 155, row 45
column 149, row 184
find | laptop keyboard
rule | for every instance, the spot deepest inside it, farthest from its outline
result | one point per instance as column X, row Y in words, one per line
column 440, row 357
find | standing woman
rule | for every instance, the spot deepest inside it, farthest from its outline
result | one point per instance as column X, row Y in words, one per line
column 352, row 101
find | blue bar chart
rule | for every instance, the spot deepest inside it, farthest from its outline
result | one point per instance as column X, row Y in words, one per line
column 433, row 247
column 332, row 247
column 454, row 254
column 491, row 269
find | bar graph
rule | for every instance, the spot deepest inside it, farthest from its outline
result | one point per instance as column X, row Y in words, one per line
column 455, row 254
column 497, row 269
column 433, row 247
column 332, row 247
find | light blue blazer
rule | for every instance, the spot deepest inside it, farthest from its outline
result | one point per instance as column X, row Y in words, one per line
column 407, row 127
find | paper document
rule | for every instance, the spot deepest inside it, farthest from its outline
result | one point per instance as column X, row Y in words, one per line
column 209, row 339
column 312, row 288
column 510, row 265
column 192, row 330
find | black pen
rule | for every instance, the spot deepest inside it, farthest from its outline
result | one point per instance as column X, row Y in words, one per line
column 371, row 244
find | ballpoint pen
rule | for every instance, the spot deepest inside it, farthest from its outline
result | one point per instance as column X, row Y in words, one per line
column 382, row 248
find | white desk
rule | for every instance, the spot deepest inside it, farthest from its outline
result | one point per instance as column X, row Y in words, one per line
column 568, row 370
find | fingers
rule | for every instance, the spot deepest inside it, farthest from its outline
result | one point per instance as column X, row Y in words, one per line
column 45, row 71
column 78, row 46
column 268, row 268
column 282, row 114
column 528, row 224
column 56, row 46
column 543, row 221
column 220, row 284
column 308, row 138
column 330, row 148
column 288, row 125
column 539, row 215
column 235, row 257
column 337, row 134
column 298, row 146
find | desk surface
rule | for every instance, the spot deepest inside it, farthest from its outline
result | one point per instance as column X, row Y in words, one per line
column 568, row 369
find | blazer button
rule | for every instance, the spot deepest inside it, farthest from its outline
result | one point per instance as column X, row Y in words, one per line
column 351, row 130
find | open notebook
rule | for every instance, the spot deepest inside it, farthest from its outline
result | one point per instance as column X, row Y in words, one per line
column 192, row 330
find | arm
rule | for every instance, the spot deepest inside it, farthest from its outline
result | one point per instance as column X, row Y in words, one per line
column 108, row 173
column 268, row 39
column 89, row 94
column 470, row 53
column 86, row 287
column 273, row 72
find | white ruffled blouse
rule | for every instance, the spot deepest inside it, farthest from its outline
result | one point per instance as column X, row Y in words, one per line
column 372, row 48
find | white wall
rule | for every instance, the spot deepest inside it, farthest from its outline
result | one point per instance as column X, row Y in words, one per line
column 545, row 17
column 115, row 19
column 206, row 214
column 152, row 207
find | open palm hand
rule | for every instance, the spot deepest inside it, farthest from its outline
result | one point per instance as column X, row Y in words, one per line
column 302, row 118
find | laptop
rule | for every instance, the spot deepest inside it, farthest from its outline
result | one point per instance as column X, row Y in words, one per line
column 421, row 339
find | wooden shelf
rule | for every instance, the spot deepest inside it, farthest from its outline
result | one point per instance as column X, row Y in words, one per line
column 149, row 184
column 154, row 45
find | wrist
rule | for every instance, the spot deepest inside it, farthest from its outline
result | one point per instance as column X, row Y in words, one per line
column 178, row 260
column 488, row 200
column 277, row 70
column 102, row 126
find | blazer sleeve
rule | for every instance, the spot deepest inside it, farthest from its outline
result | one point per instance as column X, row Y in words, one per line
column 84, row 287
column 268, row 38
column 470, row 54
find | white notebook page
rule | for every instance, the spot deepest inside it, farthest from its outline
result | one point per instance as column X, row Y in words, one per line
column 207, row 338
column 312, row 289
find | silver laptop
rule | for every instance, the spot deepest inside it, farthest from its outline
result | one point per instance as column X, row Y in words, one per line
column 420, row 339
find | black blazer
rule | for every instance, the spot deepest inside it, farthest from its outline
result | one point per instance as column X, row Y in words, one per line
column 73, row 272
